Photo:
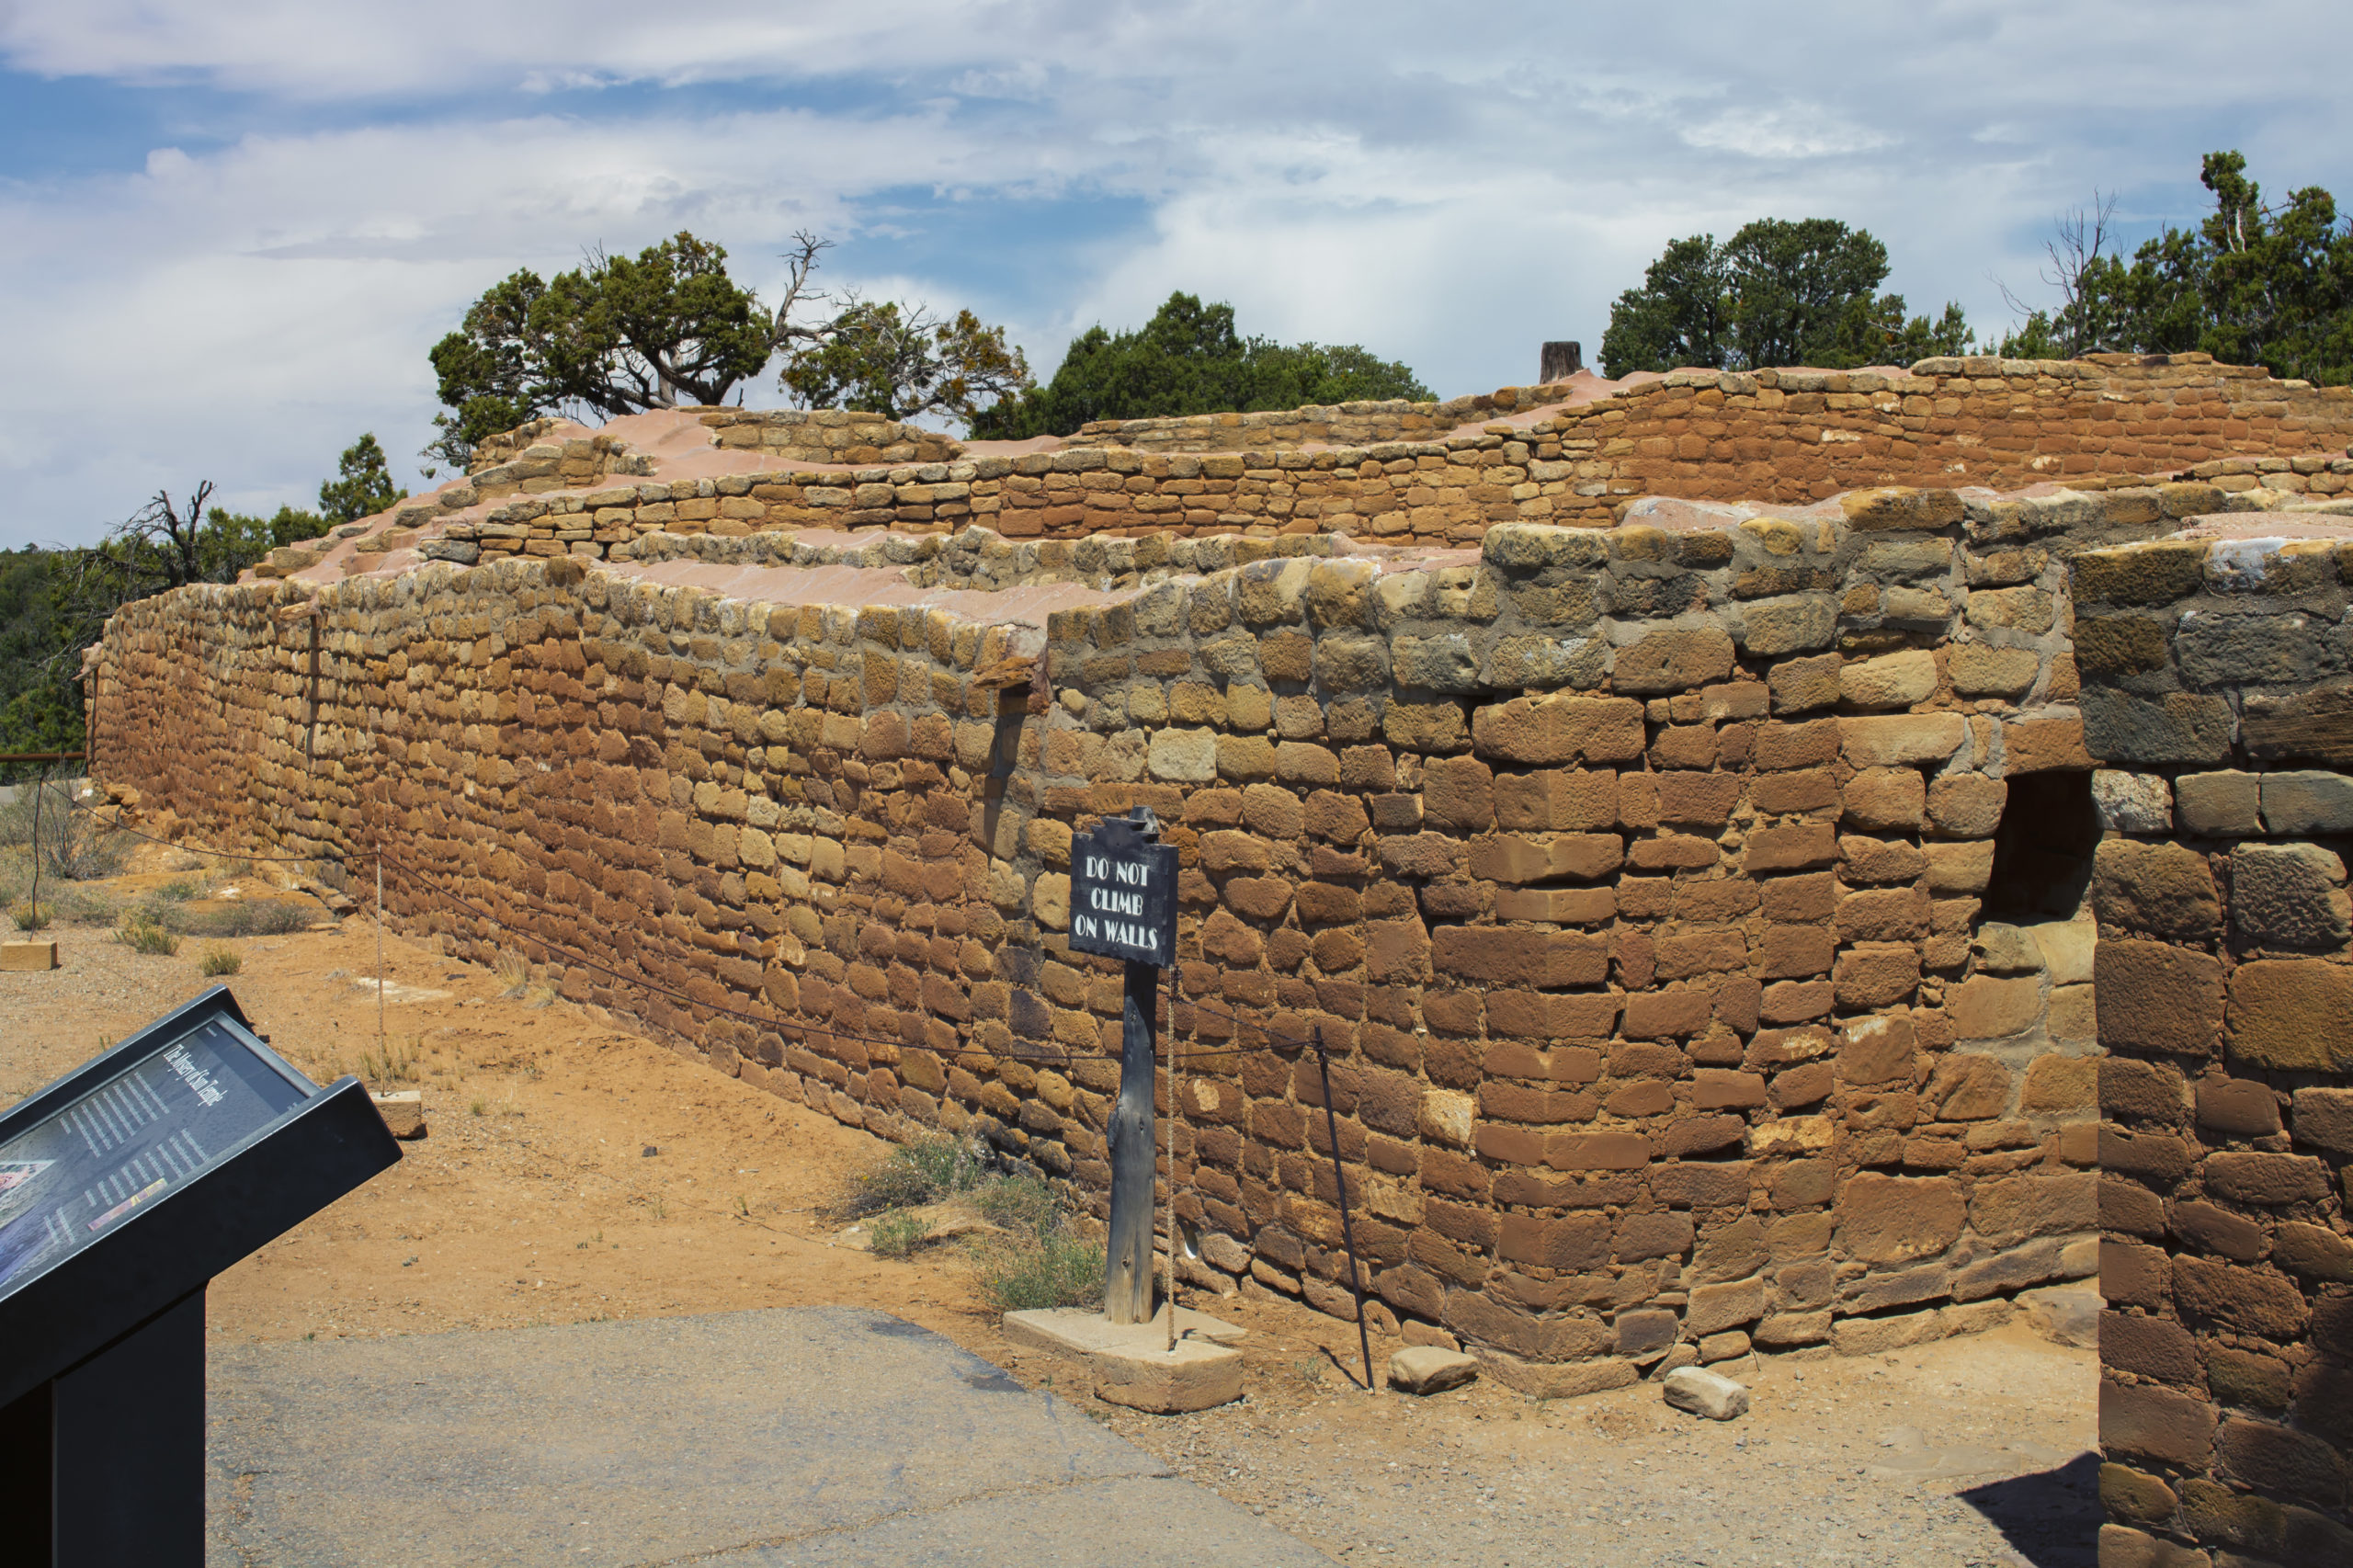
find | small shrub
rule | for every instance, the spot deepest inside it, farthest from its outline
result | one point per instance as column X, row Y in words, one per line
column 1051, row 1270
column 177, row 892
column 30, row 918
column 142, row 933
column 896, row 1235
column 87, row 906
column 922, row 1170
column 219, row 961
column 514, row 975
column 281, row 918
column 74, row 845
column 1020, row 1203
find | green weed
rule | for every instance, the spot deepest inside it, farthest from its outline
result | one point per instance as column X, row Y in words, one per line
column 219, row 961
column 896, row 1235
column 922, row 1170
column 1048, row 1270
column 142, row 933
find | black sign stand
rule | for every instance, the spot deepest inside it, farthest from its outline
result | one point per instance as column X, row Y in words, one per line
column 1123, row 906
column 135, row 1179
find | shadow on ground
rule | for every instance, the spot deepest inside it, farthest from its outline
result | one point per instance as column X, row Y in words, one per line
column 2050, row 1517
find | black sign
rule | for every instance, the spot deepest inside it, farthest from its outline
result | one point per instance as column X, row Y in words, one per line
column 1123, row 892
column 138, row 1176
column 151, row 1127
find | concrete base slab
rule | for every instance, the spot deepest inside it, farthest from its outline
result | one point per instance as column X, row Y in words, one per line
column 1132, row 1364
column 27, row 957
column 404, row 1112
column 803, row 1436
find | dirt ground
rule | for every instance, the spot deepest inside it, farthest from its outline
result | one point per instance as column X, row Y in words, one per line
column 574, row 1172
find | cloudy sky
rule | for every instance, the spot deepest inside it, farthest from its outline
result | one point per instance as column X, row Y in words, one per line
column 230, row 233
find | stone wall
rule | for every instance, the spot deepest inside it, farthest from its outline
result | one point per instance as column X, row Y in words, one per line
column 2216, row 677
column 1742, row 444
column 1693, row 913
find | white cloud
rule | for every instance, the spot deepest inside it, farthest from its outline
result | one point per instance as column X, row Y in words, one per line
column 1795, row 131
column 1447, row 188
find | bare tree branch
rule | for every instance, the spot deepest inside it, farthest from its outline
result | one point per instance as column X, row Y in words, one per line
column 802, row 261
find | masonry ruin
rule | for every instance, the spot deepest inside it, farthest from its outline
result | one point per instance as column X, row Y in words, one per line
column 1791, row 860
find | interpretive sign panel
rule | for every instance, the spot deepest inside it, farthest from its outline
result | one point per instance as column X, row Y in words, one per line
column 125, row 1187
column 1123, row 894
column 66, row 1181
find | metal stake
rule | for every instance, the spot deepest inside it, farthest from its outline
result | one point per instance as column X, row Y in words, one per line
column 1347, row 1230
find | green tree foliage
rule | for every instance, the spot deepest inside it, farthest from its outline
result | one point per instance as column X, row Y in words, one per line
column 40, row 694
column 620, row 335
column 669, row 329
column 2253, row 284
column 54, row 603
column 1188, row 358
column 362, row 486
column 490, row 372
column 1777, row 292
column 902, row 362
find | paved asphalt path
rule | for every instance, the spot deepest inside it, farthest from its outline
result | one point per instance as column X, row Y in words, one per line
column 810, row 1437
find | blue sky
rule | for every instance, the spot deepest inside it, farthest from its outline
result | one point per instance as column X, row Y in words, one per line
column 229, row 233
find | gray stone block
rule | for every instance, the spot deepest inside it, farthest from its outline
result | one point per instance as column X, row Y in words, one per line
column 2289, row 895
column 2248, row 650
column 2179, row 727
column 2219, row 805
column 2307, row 803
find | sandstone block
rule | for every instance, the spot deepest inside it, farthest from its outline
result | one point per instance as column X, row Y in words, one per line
column 1428, row 1370
column 1515, row 859
column 1884, row 1219
column 1963, row 868
column 1705, row 1393
column 2269, row 1179
column 2159, row 888
column 1877, row 1051
column 1799, row 684
column 1791, row 849
column 1967, row 805
column 2252, row 1300
column 2067, row 949
column 1979, row 671
column 1894, row 741
column 1183, row 757
column 2237, row 1107
column 1676, row 659
column 2289, row 895
column 2307, row 803
column 1894, row 508
column 2040, row 746
column 2219, row 805
column 1792, row 625
column 2156, row 997
column 2121, row 1546
column 1896, row 680
column 2155, row 1424
column 17, row 958
column 1987, row 1007
column 2323, row 1118
column 2179, row 727
column 1880, row 798
column 1714, row 1308
column 1553, row 729
column 2291, row 1015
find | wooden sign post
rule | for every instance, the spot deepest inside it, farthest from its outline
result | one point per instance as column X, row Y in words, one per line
column 1123, row 906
